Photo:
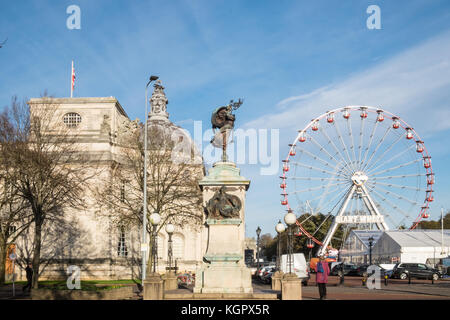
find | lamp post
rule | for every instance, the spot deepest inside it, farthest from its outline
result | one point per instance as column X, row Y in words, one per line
column 144, row 206
column 155, row 219
column 370, row 249
column 290, row 220
column 258, row 232
column 169, row 229
column 279, row 228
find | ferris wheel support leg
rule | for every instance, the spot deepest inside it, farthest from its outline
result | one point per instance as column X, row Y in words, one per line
column 373, row 209
column 334, row 224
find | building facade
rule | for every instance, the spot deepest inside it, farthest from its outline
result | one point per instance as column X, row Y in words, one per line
column 90, row 238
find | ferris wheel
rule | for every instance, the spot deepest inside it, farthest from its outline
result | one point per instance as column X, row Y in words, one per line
column 361, row 167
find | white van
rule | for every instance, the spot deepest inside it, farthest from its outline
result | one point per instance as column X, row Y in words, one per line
column 299, row 266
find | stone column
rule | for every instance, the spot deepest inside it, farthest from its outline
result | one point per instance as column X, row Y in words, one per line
column 153, row 287
column 291, row 287
column 223, row 269
column 170, row 281
column 276, row 280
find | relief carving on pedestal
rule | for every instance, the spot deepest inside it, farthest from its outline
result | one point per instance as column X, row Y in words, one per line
column 223, row 205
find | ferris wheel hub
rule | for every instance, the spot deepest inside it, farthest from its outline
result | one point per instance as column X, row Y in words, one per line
column 359, row 178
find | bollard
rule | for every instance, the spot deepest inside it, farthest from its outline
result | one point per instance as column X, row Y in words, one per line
column 409, row 278
column 432, row 279
column 364, row 281
column 341, row 280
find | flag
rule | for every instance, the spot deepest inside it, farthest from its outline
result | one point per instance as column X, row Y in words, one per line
column 72, row 81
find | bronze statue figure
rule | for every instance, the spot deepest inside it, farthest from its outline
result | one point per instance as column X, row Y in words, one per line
column 223, row 205
column 223, row 119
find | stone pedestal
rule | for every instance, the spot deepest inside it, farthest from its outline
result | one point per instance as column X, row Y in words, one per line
column 276, row 280
column 223, row 269
column 291, row 287
column 153, row 287
column 170, row 281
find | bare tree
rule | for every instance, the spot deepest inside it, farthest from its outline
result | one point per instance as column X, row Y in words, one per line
column 15, row 216
column 172, row 180
column 46, row 166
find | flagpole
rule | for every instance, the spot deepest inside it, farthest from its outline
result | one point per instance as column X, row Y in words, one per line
column 71, row 81
column 442, row 231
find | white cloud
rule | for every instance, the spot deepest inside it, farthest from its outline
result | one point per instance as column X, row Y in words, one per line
column 414, row 84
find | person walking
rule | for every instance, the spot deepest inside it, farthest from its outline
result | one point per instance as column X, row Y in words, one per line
column 29, row 271
column 322, row 272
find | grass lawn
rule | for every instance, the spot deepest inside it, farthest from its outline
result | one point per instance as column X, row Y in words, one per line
column 86, row 285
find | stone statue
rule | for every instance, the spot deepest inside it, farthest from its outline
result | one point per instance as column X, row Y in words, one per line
column 223, row 205
column 158, row 102
column 223, row 119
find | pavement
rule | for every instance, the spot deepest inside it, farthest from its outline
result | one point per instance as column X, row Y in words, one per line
column 351, row 289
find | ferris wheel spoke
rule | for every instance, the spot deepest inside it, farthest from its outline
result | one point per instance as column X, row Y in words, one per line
column 393, row 158
column 394, row 168
column 384, row 153
column 315, row 178
column 338, row 132
column 318, row 169
column 366, row 152
column 326, row 163
column 361, row 134
column 391, row 204
column 318, row 188
column 399, row 176
column 397, row 186
column 352, row 147
column 330, row 141
column 321, row 148
column 376, row 148
column 395, row 195
column 340, row 193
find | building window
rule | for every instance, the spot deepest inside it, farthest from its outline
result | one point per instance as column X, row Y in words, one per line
column 160, row 246
column 11, row 230
column 72, row 119
column 178, row 247
column 122, row 245
column 122, row 191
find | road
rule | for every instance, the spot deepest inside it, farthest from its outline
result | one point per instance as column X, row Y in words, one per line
column 353, row 289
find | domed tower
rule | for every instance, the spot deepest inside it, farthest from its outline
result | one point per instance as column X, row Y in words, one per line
column 158, row 103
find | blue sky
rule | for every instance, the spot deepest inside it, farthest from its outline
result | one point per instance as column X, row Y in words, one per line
column 289, row 60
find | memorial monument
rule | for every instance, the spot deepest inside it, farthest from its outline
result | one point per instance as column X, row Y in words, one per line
column 223, row 269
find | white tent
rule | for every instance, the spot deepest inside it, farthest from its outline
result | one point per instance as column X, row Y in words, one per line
column 418, row 246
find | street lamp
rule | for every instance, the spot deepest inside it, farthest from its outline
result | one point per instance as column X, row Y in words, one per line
column 370, row 249
column 170, row 228
column 258, row 232
column 290, row 220
column 144, row 207
column 279, row 228
column 155, row 219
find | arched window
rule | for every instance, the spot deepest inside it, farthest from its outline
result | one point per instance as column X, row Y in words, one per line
column 72, row 119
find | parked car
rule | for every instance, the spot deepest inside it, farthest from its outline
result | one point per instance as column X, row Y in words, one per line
column 267, row 275
column 346, row 269
column 263, row 269
column 362, row 270
column 415, row 270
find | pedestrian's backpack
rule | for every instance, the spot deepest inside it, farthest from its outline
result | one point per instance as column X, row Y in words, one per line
column 319, row 267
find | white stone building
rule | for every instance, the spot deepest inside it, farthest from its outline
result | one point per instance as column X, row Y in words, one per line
column 94, row 243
